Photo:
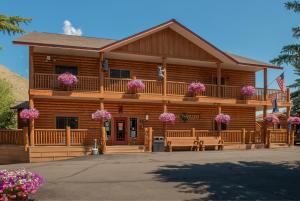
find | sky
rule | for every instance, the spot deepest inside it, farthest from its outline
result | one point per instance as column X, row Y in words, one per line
column 256, row 29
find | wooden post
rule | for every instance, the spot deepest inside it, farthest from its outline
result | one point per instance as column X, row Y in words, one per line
column 31, row 124
column 103, row 140
column 165, row 76
column 292, row 137
column 25, row 137
column 150, row 138
column 265, row 83
column 68, row 136
column 219, row 110
column 101, row 55
column 165, row 109
column 244, row 136
column 219, row 79
column 268, row 140
column 193, row 132
column 31, row 68
column 288, row 114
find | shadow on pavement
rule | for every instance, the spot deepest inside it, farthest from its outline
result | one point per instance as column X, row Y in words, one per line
column 235, row 181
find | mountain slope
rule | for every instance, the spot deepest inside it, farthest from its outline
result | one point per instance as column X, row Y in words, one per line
column 20, row 84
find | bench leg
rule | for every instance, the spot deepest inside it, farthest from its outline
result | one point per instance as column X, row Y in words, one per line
column 170, row 148
column 202, row 148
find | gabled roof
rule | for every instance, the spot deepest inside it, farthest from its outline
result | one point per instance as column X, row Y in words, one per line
column 101, row 44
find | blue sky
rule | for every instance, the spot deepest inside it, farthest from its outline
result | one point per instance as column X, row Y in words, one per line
column 254, row 28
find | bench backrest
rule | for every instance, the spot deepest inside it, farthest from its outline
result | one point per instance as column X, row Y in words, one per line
column 210, row 140
column 181, row 140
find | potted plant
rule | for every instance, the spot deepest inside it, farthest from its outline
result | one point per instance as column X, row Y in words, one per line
column 222, row 119
column 248, row 91
column 167, row 117
column 271, row 119
column 19, row 184
column 67, row 80
column 135, row 85
column 101, row 115
column 29, row 114
column 195, row 88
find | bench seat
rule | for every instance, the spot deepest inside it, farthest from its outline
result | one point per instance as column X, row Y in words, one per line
column 215, row 141
column 182, row 142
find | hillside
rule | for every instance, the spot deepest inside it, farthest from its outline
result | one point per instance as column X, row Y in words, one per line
column 19, row 83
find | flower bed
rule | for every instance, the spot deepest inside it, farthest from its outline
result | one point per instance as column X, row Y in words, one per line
column 248, row 91
column 167, row 117
column 222, row 118
column 29, row 114
column 135, row 85
column 196, row 87
column 19, row 184
column 67, row 79
column 101, row 115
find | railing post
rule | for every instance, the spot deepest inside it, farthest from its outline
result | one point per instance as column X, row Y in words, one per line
column 25, row 137
column 193, row 132
column 101, row 72
column 292, row 137
column 219, row 79
column 103, row 140
column 146, row 139
column 68, row 136
column 268, row 140
column 165, row 77
column 244, row 136
column 150, row 138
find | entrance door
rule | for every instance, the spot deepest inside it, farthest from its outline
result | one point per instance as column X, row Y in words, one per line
column 120, row 130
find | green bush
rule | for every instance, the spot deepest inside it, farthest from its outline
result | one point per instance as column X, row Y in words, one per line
column 7, row 115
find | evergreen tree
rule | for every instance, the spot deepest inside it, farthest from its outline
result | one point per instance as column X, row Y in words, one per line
column 11, row 24
column 7, row 115
column 290, row 54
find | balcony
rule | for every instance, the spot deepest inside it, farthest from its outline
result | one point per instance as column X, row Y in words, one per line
column 152, row 87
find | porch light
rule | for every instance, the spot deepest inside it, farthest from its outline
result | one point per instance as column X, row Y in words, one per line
column 146, row 117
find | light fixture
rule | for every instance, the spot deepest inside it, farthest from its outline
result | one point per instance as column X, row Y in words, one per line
column 48, row 58
column 143, row 120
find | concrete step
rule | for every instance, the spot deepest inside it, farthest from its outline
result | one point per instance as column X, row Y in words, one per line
column 125, row 149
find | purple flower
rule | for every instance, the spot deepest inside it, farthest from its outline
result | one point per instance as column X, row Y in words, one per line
column 136, row 84
column 222, row 118
column 26, row 114
column 294, row 120
column 167, row 117
column 67, row 79
column 248, row 90
column 101, row 114
column 196, row 87
column 272, row 119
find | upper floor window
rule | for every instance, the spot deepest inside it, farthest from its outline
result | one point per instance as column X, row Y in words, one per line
column 63, row 122
column 59, row 69
column 118, row 73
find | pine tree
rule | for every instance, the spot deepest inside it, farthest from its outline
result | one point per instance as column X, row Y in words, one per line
column 11, row 24
column 290, row 54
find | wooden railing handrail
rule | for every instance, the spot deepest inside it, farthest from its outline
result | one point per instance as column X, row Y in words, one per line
column 86, row 76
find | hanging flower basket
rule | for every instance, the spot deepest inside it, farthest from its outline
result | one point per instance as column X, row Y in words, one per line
column 222, row 118
column 248, row 91
column 29, row 114
column 19, row 184
column 271, row 119
column 167, row 117
column 294, row 120
column 67, row 80
column 195, row 88
column 135, row 85
column 101, row 115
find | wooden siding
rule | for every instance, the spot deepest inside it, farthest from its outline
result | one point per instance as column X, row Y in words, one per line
column 167, row 43
column 202, row 117
column 87, row 66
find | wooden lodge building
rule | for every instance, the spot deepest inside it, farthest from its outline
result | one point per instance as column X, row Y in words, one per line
column 104, row 67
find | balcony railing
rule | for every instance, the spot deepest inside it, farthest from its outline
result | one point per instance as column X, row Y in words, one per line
column 92, row 83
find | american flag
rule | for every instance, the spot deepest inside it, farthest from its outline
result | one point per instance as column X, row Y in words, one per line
column 280, row 82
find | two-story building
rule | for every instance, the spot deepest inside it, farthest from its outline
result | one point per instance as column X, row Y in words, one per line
column 104, row 67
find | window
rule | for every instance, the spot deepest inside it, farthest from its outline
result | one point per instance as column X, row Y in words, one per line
column 133, row 127
column 107, row 125
column 117, row 73
column 59, row 69
column 63, row 122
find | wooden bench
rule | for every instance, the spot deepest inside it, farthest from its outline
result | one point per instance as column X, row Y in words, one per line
column 217, row 142
column 182, row 142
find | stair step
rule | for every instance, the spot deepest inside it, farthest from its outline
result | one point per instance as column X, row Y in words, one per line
column 125, row 149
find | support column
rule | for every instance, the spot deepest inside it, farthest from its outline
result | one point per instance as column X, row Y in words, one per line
column 165, row 109
column 288, row 114
column 219, row 110
column 165, row 76
column 219, row 79
column 31, row 123
column 101, row 55
column 31, row 70
column 265, row 108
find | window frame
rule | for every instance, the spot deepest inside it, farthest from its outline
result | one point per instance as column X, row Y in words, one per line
column 136, row 126
column 66, row 66
column 119, row 69
column 62, row 116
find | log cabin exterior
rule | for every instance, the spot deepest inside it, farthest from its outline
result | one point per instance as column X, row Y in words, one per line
column 183, row 55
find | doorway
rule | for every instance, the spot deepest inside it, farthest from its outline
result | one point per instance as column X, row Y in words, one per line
column 120, row 131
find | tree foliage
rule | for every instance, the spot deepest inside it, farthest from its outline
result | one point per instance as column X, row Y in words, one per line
column 11, row 24
column 7, row 115
column 290, row 54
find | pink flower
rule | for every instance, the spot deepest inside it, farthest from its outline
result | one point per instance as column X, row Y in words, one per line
column 196, row 87
column 222, row 118
column 271, row 118
column 136, row 84
column 67, row 79
column 26, row 114
column 167, row 117
column 248, row 90
column 294, row 120
column 101, row 114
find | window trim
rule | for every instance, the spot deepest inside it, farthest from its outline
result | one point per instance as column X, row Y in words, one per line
column 55, row 121
column 137, row 126
column 120, row 69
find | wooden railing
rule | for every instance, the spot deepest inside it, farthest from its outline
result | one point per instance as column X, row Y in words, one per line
column 177, row 88
column 50, row 137
column 278, row 136
column 227, row 91
column 152, row 87
column 49, row 81
column 116, row 84
column 178, row 133
column 11, row 136
column 254, row 137
column 232, row 136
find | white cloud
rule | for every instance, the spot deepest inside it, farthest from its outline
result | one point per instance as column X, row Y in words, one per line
column 70, row 30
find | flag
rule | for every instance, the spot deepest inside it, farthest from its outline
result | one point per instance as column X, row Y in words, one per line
column 280, row 82
column 274, row 103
